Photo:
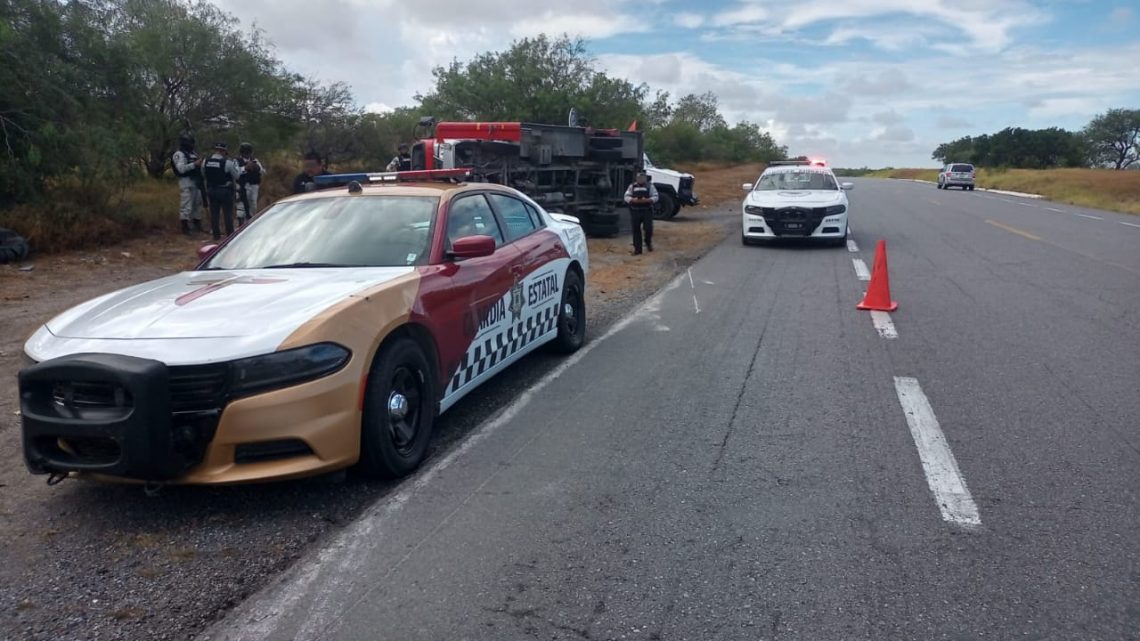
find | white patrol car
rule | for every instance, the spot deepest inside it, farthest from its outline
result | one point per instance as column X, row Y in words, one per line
column 795, row 199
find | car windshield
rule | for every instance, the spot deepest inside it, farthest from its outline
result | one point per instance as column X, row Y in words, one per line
column 796, row 180
column 963, row 169
column 358, row 231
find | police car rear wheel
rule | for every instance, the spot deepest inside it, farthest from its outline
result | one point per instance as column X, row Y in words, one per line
column 398, row 414
column 571, row 315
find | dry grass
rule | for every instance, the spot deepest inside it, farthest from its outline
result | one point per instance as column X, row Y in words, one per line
column 1096, row 188
column 719, row 184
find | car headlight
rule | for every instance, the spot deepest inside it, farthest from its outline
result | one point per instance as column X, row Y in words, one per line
column 836, row 209
column 282, row 369
column 755, row 211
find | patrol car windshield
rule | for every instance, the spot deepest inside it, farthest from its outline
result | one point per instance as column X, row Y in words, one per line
column 796, row 180
column 344, row 231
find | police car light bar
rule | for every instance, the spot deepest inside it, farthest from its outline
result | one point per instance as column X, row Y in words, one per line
column 789, row 163
column 424, row 175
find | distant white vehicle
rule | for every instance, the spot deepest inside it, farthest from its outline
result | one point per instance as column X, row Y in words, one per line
column 674, row 188
column 795, row 199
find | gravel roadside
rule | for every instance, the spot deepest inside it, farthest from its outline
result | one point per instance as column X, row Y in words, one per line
column 101, row 562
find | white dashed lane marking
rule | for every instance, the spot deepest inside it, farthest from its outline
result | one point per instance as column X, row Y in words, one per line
column 1059, row 211
column 1129, row 224
column 861, row 270
column 884, row 325
column 851, row 246
column 1089, row 217
column 938, row 462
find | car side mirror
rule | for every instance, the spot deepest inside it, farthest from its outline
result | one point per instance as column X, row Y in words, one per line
column 746, row 186
column 473, row 247
column 847, row 186
column 205, row 251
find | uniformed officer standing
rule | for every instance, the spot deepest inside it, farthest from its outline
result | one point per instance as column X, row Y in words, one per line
column 311, row 167
column 221, row 177
column 403, row 159
column 249, row 182
column 641, row 197
column 188, row 168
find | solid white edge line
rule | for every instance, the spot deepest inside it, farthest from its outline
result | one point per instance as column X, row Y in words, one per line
column 1090, row 217
column 1129, row 224
column 884, row 325
column 256, row 617
column 938, row 462
column 861, row 271
column 852, row 246
column 690, row 273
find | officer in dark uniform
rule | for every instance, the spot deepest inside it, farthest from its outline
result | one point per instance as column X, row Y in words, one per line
column 311, row 167
column 249, row 182
column 403, row 159
column 641, row 197
column 221, row 174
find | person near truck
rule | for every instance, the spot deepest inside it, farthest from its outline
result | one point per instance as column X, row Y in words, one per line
column 188, row 168
column 221, row 174
column 641, row 196
column 403, row 159
column 249, row 182
column 311, row 167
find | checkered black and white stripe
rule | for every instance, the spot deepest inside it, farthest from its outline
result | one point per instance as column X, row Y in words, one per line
column 492, row 350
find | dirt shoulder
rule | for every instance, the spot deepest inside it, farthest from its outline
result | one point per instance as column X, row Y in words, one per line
column 93, row 561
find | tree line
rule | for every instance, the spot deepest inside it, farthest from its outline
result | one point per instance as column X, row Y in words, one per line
column 1111, row 139
column 95, row 93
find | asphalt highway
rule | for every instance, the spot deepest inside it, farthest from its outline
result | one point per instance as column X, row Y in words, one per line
column 750, row 457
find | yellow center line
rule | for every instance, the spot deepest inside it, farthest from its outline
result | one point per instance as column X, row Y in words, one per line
column 1014, row 230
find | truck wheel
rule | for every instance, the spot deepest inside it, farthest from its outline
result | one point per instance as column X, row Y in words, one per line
column 399, row 409
column 601, row 230
column 667, row 206
column 571, row 315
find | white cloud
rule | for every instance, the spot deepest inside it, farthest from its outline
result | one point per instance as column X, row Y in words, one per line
column 688, row 20
column 894, row 133
column 887, row 118
column 377, row 108
column 888, row 81
column 952, row 122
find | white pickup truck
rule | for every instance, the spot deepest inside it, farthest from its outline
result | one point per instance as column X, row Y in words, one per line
column 674, row 188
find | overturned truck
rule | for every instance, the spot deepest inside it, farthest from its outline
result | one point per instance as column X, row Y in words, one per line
column 578, row 171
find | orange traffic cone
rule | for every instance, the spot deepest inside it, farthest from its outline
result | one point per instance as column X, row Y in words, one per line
column 878, row 296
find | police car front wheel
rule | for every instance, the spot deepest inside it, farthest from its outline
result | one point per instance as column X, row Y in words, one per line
column 571, row 315
column 398, row 411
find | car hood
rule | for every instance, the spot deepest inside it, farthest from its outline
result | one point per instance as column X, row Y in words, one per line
column 218, row 304
column 657, row 171
column 803, row 197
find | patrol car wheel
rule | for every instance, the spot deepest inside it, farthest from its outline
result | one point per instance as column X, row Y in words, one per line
column 398, row 413
column 571, row 315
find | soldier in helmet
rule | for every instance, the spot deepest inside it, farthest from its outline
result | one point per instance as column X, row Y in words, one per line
column 249, row 182
column 188, row 168
column 221, row 174
column 403, row 159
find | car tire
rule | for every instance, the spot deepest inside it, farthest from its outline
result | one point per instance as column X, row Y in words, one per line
column 571, row 315
column 666, row 207
column 394, row 435
column 841, row 241
column 971, row 188
column 744, row 240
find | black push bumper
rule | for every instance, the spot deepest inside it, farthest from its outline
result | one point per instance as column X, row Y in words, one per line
column 115, row 415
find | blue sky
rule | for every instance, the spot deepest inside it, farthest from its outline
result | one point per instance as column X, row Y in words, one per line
column 861, row 82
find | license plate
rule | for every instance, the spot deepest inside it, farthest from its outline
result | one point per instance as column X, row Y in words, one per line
column 793, row 225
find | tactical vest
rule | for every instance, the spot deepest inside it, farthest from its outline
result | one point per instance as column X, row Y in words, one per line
column 405, row 163
column 190, row 158
column 249, row 177
column 640, row 192
column 216, row 174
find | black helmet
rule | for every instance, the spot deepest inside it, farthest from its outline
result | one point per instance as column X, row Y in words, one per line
column 186, row 141
column 402, row 146
column 246, row 149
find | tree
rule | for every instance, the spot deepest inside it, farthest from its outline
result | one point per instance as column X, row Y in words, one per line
column 329, row 120
column 1113, row 138
column 193, row 70
column 702, row 112
column 537, row 80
